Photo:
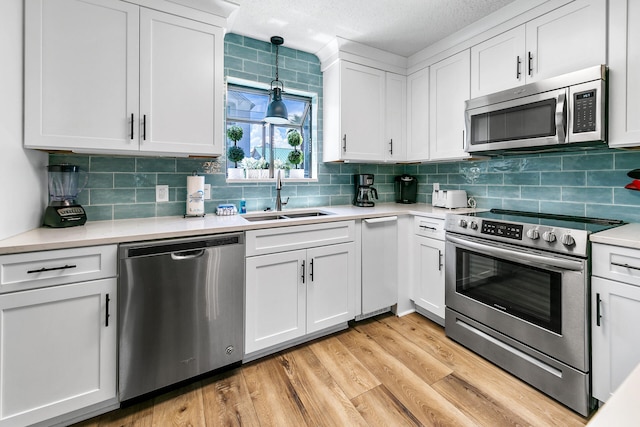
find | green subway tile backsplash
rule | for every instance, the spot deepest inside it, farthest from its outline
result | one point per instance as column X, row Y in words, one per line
column 582, row 183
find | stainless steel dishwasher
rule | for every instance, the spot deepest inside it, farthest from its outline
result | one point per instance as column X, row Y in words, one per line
column 181, row 310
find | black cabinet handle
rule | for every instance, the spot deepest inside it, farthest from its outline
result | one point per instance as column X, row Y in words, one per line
column 518, row 63
column 131, row 125
column 598, row 314
column 530, row 63
column 144, row 127
column 391, row 147
column 303, row 272
column 344, row 143
column 439, row 260
column 107, row 315
column 43, row 269
column 311, row 270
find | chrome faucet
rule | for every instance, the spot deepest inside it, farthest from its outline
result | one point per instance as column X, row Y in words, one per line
column 279, row 202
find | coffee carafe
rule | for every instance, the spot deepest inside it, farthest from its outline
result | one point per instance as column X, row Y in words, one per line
column 64, row 187
column 365, row 193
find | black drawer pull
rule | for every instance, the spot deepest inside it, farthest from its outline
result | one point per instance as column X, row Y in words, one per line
column 107, row 315
column 598, row 314
column 43, row 269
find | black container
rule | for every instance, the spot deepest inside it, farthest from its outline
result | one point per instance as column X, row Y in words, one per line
column 406, row 187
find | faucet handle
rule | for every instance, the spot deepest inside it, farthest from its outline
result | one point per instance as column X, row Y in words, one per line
column 285, row 202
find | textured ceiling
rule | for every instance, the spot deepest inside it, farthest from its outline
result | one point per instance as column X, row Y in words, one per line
column 403, row 27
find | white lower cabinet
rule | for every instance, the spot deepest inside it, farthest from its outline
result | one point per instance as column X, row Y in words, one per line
column 615, row 310
column 57, row 342
column 427, row 269
column 294, row 293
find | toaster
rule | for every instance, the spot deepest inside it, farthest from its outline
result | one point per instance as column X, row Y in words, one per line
column 449, row 199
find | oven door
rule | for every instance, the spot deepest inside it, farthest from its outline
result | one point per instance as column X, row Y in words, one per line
column 531, row 296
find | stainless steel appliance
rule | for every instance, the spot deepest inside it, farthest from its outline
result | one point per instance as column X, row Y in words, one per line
column 181, row 310
column 560, row 112
column 406, row 188
column 64, row 187
column 517, row 293
column 365, row 193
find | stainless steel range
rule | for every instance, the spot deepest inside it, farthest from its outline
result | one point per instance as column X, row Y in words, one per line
column 517, row 293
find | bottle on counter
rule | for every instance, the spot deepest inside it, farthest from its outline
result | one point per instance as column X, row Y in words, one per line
column 243, row 206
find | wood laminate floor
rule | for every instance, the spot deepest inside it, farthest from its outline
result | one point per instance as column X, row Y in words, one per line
column 384, row 371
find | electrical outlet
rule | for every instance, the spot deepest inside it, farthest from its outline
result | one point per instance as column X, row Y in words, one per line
column 162, row 193
column 207, row 191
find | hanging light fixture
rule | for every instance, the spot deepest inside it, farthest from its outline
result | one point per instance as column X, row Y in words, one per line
column 277, row 111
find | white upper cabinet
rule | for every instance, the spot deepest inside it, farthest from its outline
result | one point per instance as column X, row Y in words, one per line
column 498, row 63
column 81, row 74
column 569, row 38
column 449, row 89
column 364, row 111
column 417, row 140
column 110, row 77
column 624, row 69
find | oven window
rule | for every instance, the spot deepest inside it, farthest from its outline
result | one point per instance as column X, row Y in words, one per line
column 534, row 120
column 530, row 293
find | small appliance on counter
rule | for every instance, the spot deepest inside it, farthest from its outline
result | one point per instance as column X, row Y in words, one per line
column 365, row 193
column 449, row 199
column 63, row 210
column 406, row 189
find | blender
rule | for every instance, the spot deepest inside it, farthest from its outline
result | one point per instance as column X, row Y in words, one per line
column 63, row 211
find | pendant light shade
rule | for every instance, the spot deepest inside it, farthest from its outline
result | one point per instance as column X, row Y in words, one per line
column 277, row 110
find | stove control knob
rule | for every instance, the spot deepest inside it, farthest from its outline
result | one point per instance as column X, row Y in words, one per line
column 549, row 236
column 567, row 240
column 533, row 234
column 462, row 223
column 473, row 225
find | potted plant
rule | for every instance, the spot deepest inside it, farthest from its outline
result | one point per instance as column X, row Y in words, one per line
column 295, row 157
column 235, row 154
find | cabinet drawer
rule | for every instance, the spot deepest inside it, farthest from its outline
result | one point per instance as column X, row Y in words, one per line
column 616, row 263
column 271, row 240
column 429, row 227
column 47, row 268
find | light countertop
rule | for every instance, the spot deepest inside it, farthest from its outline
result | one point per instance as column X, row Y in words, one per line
column 131, row 230
column 627, row 236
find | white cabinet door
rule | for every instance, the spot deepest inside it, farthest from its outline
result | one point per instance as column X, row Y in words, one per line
column 81, row 74
column 624, row 69
column 362, row 96
column 181, row 85
column 57, row 351
column 379, row 263
column 615, row 344
column 418, row 116
column 330, row 286
column 498, row 63
column 395, row 117
column 428, row 276
column 449, row 89
column 567, row 39
column 275, row 300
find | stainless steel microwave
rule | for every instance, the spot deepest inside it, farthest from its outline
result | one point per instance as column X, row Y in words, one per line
column 557, row 113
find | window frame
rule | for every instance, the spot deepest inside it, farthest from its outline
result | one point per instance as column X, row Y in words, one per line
column 258, row 86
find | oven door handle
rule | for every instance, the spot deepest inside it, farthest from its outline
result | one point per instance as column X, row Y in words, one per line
column 520, row 257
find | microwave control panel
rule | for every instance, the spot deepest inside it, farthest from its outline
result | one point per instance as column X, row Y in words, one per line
column 584, row 111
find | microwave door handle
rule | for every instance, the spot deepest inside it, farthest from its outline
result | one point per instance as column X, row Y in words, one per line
column 561, row 118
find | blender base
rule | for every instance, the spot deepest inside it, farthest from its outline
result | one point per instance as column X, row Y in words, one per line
column 64, row 216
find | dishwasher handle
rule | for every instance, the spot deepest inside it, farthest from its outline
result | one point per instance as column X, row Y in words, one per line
column 178, row 256
column 180, row 247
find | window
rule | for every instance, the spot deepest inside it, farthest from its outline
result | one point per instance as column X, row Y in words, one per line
column 266, row 148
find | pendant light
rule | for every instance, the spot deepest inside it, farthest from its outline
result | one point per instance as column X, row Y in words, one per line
column 277, row 111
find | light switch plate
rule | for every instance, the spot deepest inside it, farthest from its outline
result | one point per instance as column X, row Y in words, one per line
column 162, row 193
column 207, row 191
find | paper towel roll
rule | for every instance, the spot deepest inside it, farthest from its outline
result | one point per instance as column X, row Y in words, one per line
column 195, row 195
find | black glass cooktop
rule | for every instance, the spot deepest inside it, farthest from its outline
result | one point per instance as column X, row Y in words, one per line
column 554, row 220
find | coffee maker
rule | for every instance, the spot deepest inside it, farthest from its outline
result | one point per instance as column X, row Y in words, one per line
column 365, row 193
column 63, row 210
column 406, row 187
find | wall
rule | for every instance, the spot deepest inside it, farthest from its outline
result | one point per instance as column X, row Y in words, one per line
column 581, row 183
column 22, row 172
column 124, row 187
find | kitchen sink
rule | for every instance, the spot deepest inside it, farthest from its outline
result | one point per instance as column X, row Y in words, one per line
column 271, row 216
